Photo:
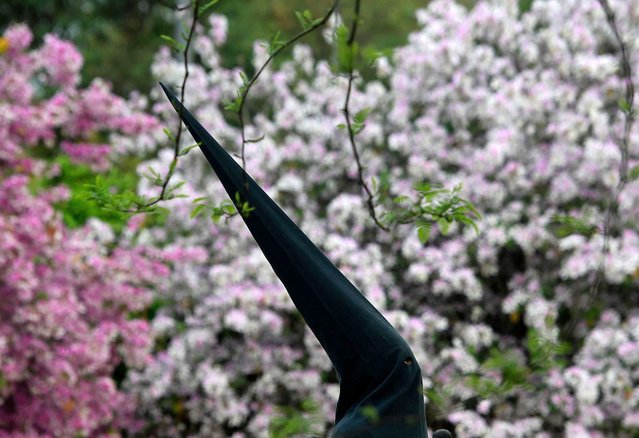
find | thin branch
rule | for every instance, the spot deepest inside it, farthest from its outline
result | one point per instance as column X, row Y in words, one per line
column 613, row 206
column 174, row 7
column 176, row 146
column 256, row 76
column 351, row 134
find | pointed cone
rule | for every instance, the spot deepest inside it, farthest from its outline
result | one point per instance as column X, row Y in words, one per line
column 380, row 380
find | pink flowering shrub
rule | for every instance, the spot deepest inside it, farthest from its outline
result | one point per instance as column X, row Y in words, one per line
column 68, row 298
column 520, row 108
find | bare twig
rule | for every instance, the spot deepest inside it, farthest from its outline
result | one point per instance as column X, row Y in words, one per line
column 178, row 136
column 613, row 206
column 256, row 76
column 351, row 134
column 174, row 7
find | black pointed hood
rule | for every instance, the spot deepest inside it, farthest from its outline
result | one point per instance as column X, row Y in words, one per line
column 375, row 366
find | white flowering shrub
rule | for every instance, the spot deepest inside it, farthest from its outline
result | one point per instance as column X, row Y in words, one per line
column 522, row 108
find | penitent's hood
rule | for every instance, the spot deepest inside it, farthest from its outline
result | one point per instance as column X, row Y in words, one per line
column 380, row 380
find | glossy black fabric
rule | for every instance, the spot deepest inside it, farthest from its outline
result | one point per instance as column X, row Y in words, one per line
column 375, row 366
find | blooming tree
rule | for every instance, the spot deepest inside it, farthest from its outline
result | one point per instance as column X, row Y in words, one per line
column 68, row 297
column 520, row 107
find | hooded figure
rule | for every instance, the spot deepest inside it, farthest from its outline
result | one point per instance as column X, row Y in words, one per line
column 380, row 381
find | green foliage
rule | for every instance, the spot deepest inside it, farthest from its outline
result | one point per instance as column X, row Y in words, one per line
column 161, row 181
column 436, row 398
column 525, row 6
column 433, row 205
column 76, row 210
column 101, row 28
column 423, row 230
column 293, row 421
column 633, row 174
column 488, row 388
column 371, row 54
column 515, row 370
column 345, row 53
column 544, row 353
column 225, row 209
column 275, row 43
column 625, row 106
column 264, row 18
column 236, row 104
column 359, row 120
column 306, row 19
column 173, row 43
column 242, row 206
column 358, row 123
column 205, row 7
column 514, row 374
column 105, row 196
column 370, row 412
column 564, row 226
column 187, row 149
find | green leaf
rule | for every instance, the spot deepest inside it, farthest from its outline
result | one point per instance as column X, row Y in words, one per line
column 274, row 43
column 235, row 104
column 371, row 413
column 187, row 149
column 196, row 200
column 176, row 186
column 467, row 221
column 306, row 19
column 423, row 233
column 344, row 55
column 508, row 362
column 173, row 42
column 208, row 5
column 361, row 116
column 197, row 210
column 245, row 78
column 359, row 120
column 401, row 199
column 168, row 133
column 422, row 187
column 371, row 54
column 633, row 174
column 564, row 226
column 246, row 209
column 444, row 225
column 525, row 6
column 229, row 209
column 434, row 397
column 472, row 208
column 172, row 166
column 160, row 211
column 624, row 105
column 168, row 38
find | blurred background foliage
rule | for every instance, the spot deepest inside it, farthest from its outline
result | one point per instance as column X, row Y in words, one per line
column 118, row 38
